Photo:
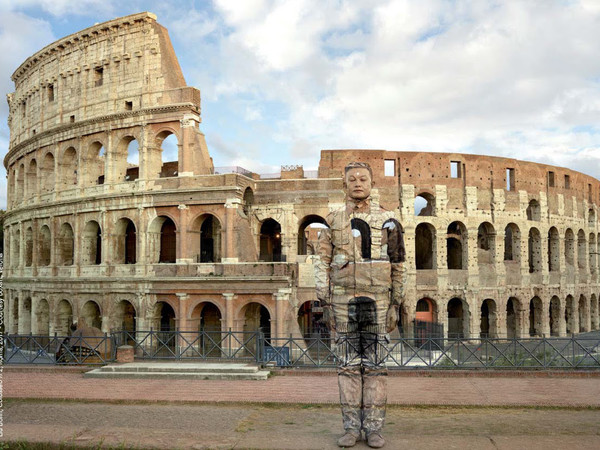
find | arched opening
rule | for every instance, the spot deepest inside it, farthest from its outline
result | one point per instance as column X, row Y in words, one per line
column 425, row 247
column 424, row 205
column 69, row 168
column 32, row 179
column 20, row 185
column 169, row 154
column 554, row 315
column 486, row 244
column 28, row 247
column 570, row 317
column 64, row 318
column 210, row 240
column 456, row 240
column 126, row 242
column 535, row 317
column 248, row 201
column 91, row 246
column 584, row 313
column 581, row 250
column 43, row 318
column 534, row 250
column 90, row 313
column 594, row 312
column 257, row 317
column 458, row 318
column 488, row 322
column 512, row 243
column 513, row 322
column 47, row 174
column 553, row 250
column 569, row 247
column 164, row 317
column 126, row 317
column 45, row 246
column 94, row 165
column 207, row 319
column 592, row 256
column 533, row 210
column 126, row 160
column 425, row 310
column 310, row 320
column 65, row 245
column 25, row 317
column 168, row 242
column 308, row 234
column 16, row 247
column 591, row 218
column 270, row 241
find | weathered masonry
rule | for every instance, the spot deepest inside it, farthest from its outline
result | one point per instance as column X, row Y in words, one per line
column 105, row 225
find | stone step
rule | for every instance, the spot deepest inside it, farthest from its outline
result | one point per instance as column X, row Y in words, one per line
column 180, row 367
column 258, row 375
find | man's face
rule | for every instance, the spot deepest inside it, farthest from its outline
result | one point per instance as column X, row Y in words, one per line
column 358, row 183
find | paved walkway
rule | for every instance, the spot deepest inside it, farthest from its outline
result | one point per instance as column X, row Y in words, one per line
column 565, row 391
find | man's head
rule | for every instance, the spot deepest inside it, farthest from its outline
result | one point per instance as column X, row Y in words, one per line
column 358, row 180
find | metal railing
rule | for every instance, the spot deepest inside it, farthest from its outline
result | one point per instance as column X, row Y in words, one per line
column 315, row 351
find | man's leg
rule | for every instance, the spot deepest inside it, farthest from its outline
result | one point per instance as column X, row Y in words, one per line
column 374, row 387
column 350, row 382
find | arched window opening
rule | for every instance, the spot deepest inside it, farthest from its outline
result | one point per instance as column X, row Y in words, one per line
column 64, row 318
column 270, row 241
column 206, row 318
column 169, row 149
column 132, row 171
column 28, row 247
column 592, row 255
column 45, row 246
column 591, row 218
column 569, row 247
column 47, row 174
column 512, row 243
column 533, row 210
column 90, row 313
column 91, row 246
column 425, row 310
column 456, row 241
column 126, row 242
column 94, row 165
column 581, row 250
column 257, row 318
column 168, row 242
column 308, row 234
column 458, row 318
column 16, row 247
column 488, row 323
column 69, row 168
column 570, row 316
column 584, row 313
column 553, row 250
column 424, row 205
column 165, row 321
column 43, row 318
column 210, row 240
column 20, row 185
column 554, row 316
column 32, row 179
column 310, row 320
column 535, row 250
column 65, row 245
column 535, row 317
column 248, row 201
column 486, row 244
column 513, row 323
column 425, row 247
column 126, row 321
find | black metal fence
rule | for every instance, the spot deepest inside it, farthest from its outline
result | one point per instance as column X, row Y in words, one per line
column 317, row 351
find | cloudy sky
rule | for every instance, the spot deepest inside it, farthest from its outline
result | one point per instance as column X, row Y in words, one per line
column 281, row 80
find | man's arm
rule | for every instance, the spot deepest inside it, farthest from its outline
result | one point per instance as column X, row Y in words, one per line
column 323, row 266
column 397, row 254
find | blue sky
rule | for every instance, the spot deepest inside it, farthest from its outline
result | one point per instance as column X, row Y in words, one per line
column 281, row 80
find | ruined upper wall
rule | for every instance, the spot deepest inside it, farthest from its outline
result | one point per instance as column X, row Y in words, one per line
column 121, row 65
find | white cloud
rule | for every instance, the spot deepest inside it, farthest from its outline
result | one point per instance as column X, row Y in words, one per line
column 59, row 8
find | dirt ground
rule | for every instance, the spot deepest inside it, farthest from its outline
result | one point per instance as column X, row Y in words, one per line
column 270, row 426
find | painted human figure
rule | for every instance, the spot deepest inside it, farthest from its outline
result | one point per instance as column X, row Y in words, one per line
column 359, row 278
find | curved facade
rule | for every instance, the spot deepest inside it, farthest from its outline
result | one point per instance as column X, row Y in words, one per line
column 106, row 224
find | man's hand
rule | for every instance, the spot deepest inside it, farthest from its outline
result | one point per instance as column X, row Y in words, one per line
column 391, row 320
column 329, row 318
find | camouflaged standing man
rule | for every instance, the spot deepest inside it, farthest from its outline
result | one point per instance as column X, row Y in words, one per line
column 359, row 279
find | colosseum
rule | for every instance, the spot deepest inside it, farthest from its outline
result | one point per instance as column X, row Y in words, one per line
column 106, row 226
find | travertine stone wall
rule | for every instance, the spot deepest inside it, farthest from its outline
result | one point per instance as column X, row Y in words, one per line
column 503, row 247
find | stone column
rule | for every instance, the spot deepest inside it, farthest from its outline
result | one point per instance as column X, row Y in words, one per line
column 229, row 255
column 186, row 337
column 34, row 313
column 562, row 324
column 472, row 260
column 545, row 317
column 189, row 124
column 183, row 247
column 21, row 314
column 229, row 298
column 281, row 297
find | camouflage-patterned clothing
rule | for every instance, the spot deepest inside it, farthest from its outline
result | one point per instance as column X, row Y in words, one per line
column 359, row 275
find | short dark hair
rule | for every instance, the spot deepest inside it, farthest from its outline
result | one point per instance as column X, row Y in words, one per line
column 358, row 165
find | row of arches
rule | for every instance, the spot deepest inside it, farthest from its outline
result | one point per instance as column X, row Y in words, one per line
column 580, row 251
column 70, row 168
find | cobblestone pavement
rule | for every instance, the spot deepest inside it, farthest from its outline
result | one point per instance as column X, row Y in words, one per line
column 310, row 389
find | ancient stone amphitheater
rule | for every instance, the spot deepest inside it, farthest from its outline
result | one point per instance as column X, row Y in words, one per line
column 103, row 226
